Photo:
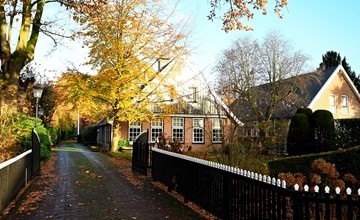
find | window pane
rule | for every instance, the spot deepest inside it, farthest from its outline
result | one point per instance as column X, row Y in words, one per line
column 198, row 122
column 344, row 100
column 344, row 104
column 155, row 133
column 216, row 123
column 178, row 122
column 332, row 104
column 157, row 122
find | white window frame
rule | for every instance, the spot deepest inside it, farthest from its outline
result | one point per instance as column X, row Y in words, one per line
column 156, row 128
column 217, row 130
column 332, row 103
column 345, row 106
column 134, row 128
column 198, row 131
column 178, row 129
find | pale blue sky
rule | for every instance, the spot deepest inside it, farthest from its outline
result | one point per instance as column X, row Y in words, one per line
column 312, row 26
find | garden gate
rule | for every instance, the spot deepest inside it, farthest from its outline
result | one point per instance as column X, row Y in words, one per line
column 140, row 156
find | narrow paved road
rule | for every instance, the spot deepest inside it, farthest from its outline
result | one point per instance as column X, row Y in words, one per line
column 80, row 184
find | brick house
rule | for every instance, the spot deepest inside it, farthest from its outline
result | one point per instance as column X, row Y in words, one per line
column 330, row 89
column 200, row 119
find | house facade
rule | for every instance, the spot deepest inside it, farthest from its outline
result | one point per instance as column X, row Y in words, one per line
column 326, row 88
column 338, row 95
column 199, row 119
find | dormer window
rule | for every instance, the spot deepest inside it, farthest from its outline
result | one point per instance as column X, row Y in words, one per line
column 194, row 93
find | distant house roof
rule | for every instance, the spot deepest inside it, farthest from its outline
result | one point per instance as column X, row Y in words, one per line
column 102, row 122
column 306, row 88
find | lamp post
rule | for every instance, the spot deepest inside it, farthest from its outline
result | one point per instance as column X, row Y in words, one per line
column 37, row 92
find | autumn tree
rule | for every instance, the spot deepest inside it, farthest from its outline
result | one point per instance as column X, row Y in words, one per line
column 238, row 10
column 22, row 22
column 127, row 39
column 253, row 72
column 333, row 58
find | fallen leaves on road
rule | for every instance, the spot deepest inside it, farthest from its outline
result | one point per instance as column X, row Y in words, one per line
column 138, row 179
column 31, row 200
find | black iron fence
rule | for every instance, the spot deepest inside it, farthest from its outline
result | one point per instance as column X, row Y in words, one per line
column 232, row 193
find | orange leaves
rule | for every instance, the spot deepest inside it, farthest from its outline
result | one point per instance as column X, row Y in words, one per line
column 240, row 9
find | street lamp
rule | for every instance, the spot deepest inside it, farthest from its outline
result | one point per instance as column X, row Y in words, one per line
column 37, row 91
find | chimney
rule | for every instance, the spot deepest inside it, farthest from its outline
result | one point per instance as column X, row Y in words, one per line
column 322, row 67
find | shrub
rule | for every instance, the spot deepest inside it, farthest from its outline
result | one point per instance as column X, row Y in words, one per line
column 123, row 142
column 8, row 139
column 15, row 134
column 89, row 136
column 347, row 133
column 24, row 126
column 324, row 131
column 306, row 111
column 298, row 141
column 346, row 161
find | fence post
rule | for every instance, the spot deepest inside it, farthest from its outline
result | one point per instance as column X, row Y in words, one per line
column 226, row 194
column 35, row 166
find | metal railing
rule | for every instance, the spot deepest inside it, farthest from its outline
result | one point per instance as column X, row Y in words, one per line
column 232, row 193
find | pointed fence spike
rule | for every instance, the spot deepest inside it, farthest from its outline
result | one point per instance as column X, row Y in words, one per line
column 316, row 188
column 283, row 184
column 268, row 180
column 306, row 188
column 337, row 190
column 327, row 189
column 278, row 182
column 256, row 176
column 296, row 187
column 252, row 175
column 241, row 172
column 265, row 178
column 348, row 191
column 359, row 191
column 260, row 177
column 273, row 181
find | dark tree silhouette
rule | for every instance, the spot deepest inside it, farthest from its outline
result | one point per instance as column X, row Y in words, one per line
column 332, row 58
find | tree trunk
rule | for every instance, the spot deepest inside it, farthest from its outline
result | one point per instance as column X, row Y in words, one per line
column 13, row 62
column 116, row 137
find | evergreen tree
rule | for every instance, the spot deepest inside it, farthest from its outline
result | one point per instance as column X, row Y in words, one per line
column 332, row 58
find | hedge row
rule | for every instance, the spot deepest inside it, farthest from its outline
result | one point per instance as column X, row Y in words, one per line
column 347, row 132
column 346, row 161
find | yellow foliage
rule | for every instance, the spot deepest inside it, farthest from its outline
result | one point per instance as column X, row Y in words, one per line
column 126, row 40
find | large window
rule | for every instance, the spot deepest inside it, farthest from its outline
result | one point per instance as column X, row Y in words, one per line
column 134, row 131
column 332, row 104
column 156, row 129
column 198, row 130
column 178, row 129
column 216, row 130
column 345, row 104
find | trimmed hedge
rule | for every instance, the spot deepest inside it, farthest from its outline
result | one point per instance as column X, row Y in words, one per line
column 346, row 161
column 306, row 111
column 324, row 131
column 347, row 132
column 89, row 136
column 298, row 141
